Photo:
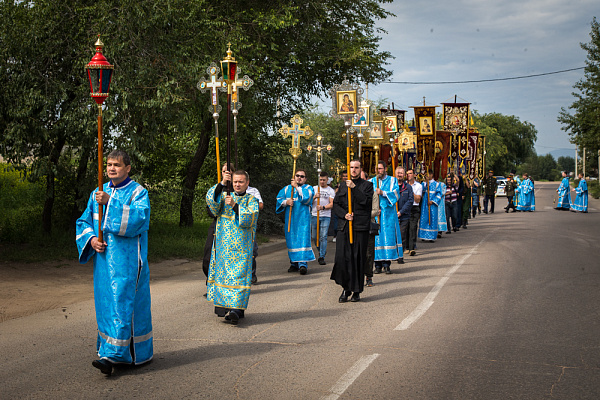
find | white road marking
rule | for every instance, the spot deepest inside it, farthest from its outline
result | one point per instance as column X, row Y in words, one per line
column 428, row 300
column 349, row 377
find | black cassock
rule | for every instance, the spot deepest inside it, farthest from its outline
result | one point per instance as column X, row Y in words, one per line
column 348, row 269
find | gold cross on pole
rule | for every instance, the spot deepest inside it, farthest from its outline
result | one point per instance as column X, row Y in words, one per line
column 295, row 132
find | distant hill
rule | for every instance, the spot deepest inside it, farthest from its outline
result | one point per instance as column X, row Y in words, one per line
column 560, row 153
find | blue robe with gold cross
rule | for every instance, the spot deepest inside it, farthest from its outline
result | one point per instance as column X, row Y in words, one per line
column 564, row 194
column 298, row 238
column 428, row 225
column 581, row 199
column 121, row 273
column 230, row 271
column 388, row 244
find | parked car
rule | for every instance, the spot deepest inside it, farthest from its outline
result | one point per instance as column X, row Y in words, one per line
column 501, row 184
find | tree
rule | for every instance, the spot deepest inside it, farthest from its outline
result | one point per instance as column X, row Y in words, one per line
column 517, row 137
column 566, row 163
column 583, row 126
column 293, row 50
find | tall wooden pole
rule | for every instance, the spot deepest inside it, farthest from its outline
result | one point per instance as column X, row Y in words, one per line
column 348, row 124
column 229, row 136
column 292, row 198
column 100, row 172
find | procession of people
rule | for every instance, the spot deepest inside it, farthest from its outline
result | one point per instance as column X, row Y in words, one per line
column 379, row 221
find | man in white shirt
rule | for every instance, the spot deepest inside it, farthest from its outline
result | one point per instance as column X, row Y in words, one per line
column 325, row 194
column 254, row 192
column 415, row 211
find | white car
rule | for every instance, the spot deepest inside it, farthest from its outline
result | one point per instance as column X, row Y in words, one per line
column 501, row 184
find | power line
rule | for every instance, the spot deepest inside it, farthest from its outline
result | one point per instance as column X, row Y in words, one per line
column 485, row 80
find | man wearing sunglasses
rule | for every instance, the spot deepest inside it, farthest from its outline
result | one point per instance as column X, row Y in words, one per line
column 298, row 197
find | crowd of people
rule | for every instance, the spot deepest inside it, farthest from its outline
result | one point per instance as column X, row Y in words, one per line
column 376, row 221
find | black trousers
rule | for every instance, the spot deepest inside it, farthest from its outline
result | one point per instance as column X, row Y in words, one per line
column 413, row 225
column 510, row 203
column 370, row 256
column 404, row 225
column 492, row 200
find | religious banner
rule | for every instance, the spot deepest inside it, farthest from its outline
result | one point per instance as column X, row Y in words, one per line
column 480, row 167
column 442, row 150
column 456, row 117
column 425, row 124
column 472, row 144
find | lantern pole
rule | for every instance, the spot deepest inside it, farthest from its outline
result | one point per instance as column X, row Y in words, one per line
column 228, row 68
column 99, row 75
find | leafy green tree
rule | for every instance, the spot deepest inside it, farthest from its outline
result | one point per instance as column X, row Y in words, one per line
column 293, row 51
column 516, row 136
column 566, row 163
column 583, row 126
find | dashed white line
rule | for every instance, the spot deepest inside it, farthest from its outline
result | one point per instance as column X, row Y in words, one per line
column 428, row 300
column 349, row 377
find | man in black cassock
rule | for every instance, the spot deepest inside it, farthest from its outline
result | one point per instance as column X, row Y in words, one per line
column 348, row 269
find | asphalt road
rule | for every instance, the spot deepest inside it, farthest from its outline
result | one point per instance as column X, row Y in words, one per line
column 506, row 309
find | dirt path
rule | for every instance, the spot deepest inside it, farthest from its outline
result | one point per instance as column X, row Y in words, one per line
column 28, row 288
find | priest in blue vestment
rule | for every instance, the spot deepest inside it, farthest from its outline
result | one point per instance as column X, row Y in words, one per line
column 525, row 192
column 230, row 272
column 298, row 238
column 581, row 198
column 121, row 273
column 431, row 200
column 442, row 220
column 564, row 194
column 388, row 244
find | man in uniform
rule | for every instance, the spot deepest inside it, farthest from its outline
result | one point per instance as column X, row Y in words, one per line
column 350, row 258
column 230, row 272
column 490, row 187
column 298, row 238
column 509, row 189
column 121, row 273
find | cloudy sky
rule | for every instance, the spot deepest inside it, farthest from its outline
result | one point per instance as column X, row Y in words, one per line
column 479, row 39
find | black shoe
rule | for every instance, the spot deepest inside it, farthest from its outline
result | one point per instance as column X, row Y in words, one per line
column 448, row 232
column 322, row 261
column 506, row 210
column 293, row 268
column 412, row 252
column 233, row 317
column 369, row 282
column 387, row 270
column 254, row 279
column 439, row 235
column 344, row 296
column 377, row 270
column 401, row 261
column 355, row 297
column 303, row 270
column 104, row 366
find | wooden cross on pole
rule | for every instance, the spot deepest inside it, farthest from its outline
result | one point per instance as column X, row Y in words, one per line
column 295, row 132
column 214, row 85
column 318, row 148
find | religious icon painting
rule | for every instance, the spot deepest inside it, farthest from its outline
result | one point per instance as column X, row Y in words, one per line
column 346, row 101
column 426, row 126
column 391, row 124
column 376, row 132
column 361, row 118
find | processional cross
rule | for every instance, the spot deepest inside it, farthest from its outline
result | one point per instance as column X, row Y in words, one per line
column 318, row 148
column 236, row 105
column 214, row 85
column 295, row 132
